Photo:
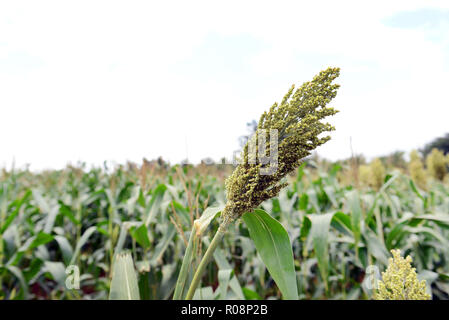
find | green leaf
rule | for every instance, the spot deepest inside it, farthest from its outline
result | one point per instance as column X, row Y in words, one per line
column 82, row 241
column 250, row 294
column 66, row 211
column 168, row 281
column 415, row 190
column 126, row 226
column 140, row 234
column 19, row 275
column 224, row 276
column 14, row 214
column 41, row 202
column 51, row 217
column 342, row 222
column 163, row 244
column 356, row 214
column 204, row 294
column 303, row 201
column 203, row 222
column 65, row 247
column 223, row 264
column 57, row 270
column 319, row 234
column 305, row 228
column 37, row 240
column 124, row 280
column 155, row 203
column 375, row 246
column 273, row 245
column 439, row 218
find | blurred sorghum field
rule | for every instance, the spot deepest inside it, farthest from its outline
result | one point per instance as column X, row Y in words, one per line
column 80, row 217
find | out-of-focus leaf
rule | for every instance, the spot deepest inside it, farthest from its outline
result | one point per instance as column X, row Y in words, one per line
column 19, row 275
column 342, row 222
column 57, row 270
column 204, row 294
column 36, row 241
column 155, row 203
column 51, row 216
column 140, row 234
column 66, row 211
column 375, row 246
column 10, row 218
column 82, row 241
column 356, row 214
column 319, row 234
column 65, row 247
column 224, row 275
column 124, row 280
column 163, row 244
column 223, row 264
column 250, row 294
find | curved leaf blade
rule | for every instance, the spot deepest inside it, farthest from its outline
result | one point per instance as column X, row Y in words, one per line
column 273, row 244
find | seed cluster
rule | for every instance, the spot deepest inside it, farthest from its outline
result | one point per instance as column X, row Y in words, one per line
column 400, row 281
column 297, row 121
column 436, row 164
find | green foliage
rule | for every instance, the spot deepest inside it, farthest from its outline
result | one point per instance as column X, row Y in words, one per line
column 94, row 205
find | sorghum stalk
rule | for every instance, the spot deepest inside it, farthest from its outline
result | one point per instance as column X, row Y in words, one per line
column 296, row 124
column 207, row 257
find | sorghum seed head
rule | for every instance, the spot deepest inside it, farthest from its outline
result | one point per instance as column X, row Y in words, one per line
column 296, row 120
column 400, row 281
column 436, row 164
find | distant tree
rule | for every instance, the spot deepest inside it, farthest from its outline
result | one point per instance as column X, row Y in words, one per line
column 441, row 143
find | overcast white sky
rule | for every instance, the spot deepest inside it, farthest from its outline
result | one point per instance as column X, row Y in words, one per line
column 123, row 80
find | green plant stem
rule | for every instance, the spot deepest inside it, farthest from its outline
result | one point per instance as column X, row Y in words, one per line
column 207, row 257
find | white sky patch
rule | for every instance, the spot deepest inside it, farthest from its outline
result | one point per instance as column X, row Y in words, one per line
column 123, row 80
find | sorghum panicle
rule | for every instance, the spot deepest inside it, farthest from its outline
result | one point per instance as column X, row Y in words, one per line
column 400, row 282
column 297, row 121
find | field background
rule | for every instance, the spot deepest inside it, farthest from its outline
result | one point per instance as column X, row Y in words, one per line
column 355, row 211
